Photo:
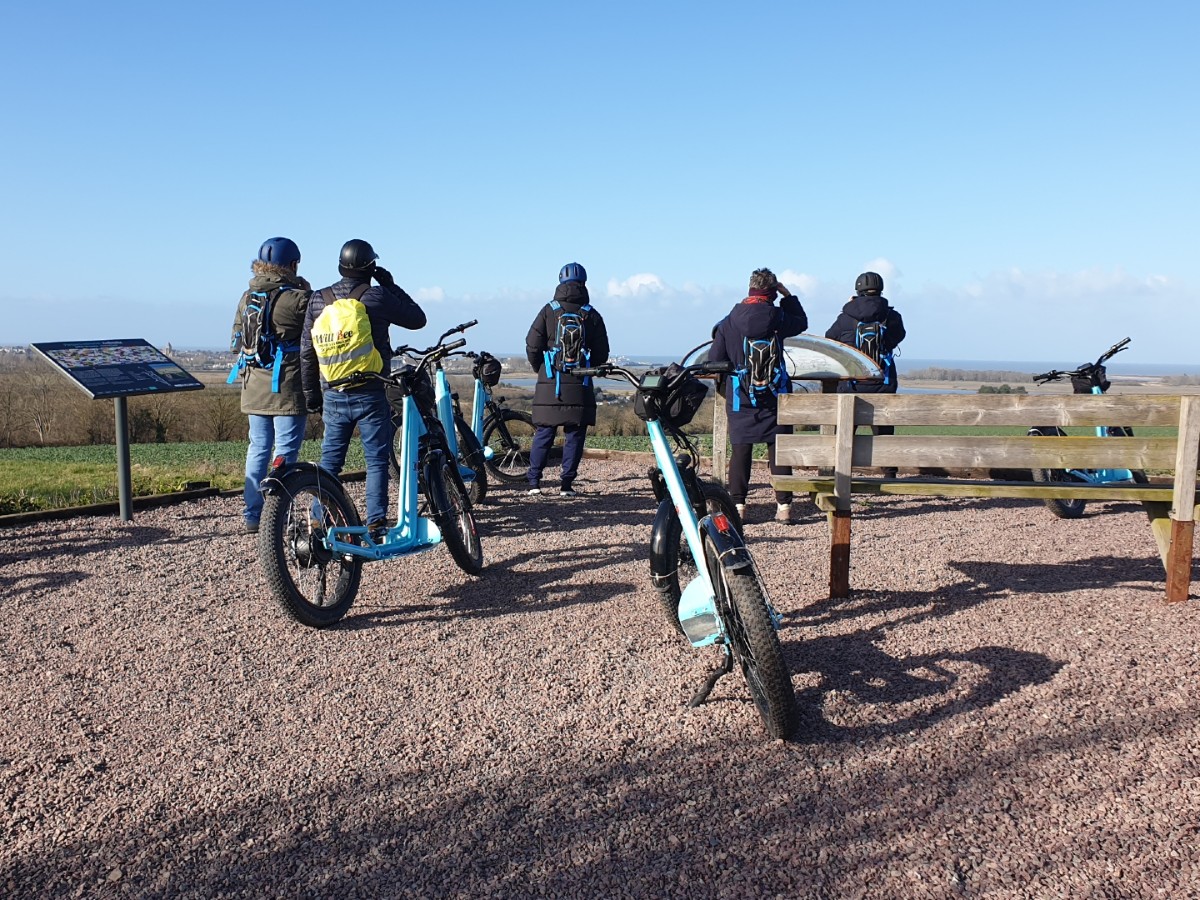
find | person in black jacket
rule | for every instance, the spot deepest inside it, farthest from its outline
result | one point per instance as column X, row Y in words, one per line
column 752, row 413
column 363, row 405
column 562, row 399
column 867, row 308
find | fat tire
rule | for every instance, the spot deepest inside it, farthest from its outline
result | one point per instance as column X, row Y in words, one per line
column 470, row 453
column 679, row 556
column 754, row 643
column 452, row 513
column 1063, row 509
column 287, row 544
column 510, row 444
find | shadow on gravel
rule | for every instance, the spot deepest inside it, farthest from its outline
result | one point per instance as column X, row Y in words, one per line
column 1060, row 578
column 550, row 581
column 854, row 665
column 65, row 547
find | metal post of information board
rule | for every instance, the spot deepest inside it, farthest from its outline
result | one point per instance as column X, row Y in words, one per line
column 124, row 481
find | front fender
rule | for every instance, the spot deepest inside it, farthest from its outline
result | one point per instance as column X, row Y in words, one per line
column 665, row 532
column 277, row 478
column 731, row 549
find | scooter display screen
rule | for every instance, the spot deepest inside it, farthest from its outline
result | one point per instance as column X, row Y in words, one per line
column 652, row 382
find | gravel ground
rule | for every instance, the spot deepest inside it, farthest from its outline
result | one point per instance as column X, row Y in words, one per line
column 1004, row 708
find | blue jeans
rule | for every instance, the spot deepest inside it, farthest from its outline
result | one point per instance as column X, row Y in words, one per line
column 539, row 451
column 270, row 436
column 368, row 410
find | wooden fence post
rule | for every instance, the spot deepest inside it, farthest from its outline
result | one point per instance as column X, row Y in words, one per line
column 1183, row 524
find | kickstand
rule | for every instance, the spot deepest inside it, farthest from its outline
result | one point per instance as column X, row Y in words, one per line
column 724, row 669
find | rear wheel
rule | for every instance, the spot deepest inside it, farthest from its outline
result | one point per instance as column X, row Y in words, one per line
column 754, row 643
column 1064, row 509
column 679, row 567
column 470, row 454
column 313, row 586
column 452, row 513
column 510, row 435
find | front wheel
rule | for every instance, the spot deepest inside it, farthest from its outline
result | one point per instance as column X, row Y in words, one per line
column 1063, row 509
column 671, row 572
column 313, row 586
column 470, row 454
column 754, row 642
column 510, row 435
column 452, row 512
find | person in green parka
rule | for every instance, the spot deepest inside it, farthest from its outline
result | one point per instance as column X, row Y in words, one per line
column 272, row 396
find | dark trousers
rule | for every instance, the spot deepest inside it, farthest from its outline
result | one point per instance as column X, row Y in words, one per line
column 740, row 458
column 543, row 440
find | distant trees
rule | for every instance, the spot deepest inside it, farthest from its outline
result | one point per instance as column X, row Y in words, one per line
column 936, row 373
column 1002, row 389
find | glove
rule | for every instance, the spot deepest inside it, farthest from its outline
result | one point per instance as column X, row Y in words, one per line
column 384, row 277
column 314, row 403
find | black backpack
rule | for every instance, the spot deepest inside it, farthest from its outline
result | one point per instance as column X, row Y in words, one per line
column 868, row 339
column 255, row 342
column 763, row 371
column 570, row 348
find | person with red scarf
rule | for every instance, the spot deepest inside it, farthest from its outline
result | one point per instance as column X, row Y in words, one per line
column 753, row 414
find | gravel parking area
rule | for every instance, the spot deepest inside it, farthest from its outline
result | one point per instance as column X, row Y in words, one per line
column 1004, row 708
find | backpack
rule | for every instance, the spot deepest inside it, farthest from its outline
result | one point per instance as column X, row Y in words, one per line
column 570, row 348
column 256, row 344
column 762, row 372
column 342, row 339
column 868, row 338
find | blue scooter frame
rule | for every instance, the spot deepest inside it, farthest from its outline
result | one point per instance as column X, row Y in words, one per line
column 726, row 603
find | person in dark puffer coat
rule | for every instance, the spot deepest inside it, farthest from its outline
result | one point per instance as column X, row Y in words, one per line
column 869, row 305
column 563, row 399
column 754, row 318
column 277, row 415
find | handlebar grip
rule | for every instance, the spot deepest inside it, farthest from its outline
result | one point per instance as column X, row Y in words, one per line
column 454, row 345
column 584, row 373
column 720, row 367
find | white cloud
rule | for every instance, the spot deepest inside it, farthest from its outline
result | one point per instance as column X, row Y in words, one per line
column 430, row 295
column 798, row 281
column 884, row 267
column 642, row 283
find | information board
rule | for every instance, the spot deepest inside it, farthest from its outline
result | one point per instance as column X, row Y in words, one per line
column 117, row 368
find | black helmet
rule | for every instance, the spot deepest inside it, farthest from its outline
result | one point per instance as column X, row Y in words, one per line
column 279, row 251
column 357, row 255
column 572, row 272
column 868, row 283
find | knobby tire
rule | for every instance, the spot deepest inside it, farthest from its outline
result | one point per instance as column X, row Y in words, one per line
column 452, row 513
column 314, row 587
column 510, row 435
column 754, row 643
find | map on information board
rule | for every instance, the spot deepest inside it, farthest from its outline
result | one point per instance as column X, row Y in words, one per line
column 117, row 368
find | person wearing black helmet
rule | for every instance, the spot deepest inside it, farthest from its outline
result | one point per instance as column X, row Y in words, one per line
column 567, row 333
column 364, row 405
column 272, row 396
column 869, row 323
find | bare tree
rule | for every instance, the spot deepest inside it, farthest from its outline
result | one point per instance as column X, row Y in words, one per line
column 224, row 414
column 42, row 406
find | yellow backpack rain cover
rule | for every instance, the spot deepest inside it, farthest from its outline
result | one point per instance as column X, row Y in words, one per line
column 341, row 336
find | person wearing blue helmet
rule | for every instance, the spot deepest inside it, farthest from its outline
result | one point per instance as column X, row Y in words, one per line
column 567, row 334
column 271, row 315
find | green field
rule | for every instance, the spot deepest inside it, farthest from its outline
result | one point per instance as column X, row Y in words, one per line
column 34, row 478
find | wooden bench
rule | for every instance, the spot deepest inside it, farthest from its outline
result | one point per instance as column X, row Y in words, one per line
column 1171, row 507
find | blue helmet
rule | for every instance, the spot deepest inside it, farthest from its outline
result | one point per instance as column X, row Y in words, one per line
column 279, row 251
column 572, row 272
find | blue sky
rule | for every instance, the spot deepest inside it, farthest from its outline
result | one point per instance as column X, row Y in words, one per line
column 1023, row 174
